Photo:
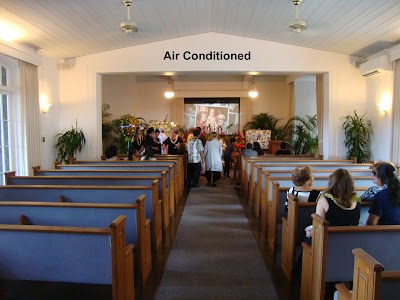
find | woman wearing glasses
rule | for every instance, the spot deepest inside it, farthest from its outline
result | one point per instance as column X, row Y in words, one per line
column 385, row 208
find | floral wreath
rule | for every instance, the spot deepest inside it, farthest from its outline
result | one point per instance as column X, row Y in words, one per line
column 127, row 126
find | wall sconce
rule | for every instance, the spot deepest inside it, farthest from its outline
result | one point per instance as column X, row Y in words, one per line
column 169, row 93
column 44, row 104
column 385, row 102
column 253, row 93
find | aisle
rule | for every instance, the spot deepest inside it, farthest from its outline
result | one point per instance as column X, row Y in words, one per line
column 214, row 254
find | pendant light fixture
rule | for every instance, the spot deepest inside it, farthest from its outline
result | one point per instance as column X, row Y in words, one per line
column 253, row 93
column 169, row 93
column 297, row 25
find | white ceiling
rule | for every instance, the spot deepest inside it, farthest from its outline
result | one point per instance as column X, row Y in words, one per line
column 73, row 28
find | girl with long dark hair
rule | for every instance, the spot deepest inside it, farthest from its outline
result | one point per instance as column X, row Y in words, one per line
column 385, row 208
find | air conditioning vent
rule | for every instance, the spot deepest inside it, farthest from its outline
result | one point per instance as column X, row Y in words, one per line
column 375, row 72
column 376, row 66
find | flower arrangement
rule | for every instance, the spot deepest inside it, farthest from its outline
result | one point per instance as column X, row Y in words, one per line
column 128, row 126
column 167, row 126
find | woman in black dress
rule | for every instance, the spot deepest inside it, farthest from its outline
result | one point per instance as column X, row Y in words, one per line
column 173, row 142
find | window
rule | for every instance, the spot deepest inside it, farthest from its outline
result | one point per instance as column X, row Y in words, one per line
column 4, row 122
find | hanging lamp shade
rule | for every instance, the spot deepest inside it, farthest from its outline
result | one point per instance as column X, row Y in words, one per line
column 169, row 93
column 253, row 93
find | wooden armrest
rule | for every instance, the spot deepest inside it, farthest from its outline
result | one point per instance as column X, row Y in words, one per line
column 343, row 292
column 390, row 275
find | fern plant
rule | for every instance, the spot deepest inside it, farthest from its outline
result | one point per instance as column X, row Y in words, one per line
column 69, row 143
column 305, row 135
column 358, row 132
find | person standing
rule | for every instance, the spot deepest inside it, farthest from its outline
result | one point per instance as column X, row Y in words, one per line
column 213, row 157
column 173, row 143
column 228, row 156
column 162, row 138
column 195, row 159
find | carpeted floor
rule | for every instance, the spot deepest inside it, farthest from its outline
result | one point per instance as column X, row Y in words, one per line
column 214, row 254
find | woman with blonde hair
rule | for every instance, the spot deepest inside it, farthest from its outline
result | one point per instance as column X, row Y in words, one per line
column 303, row 178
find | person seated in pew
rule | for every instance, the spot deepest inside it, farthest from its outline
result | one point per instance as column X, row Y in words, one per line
column 284, row 149
column 385, row 208
column 148, row 153
column 340, row 206
column 302, row 178
column 370, row 193
column 257, row 147
column 111, row 152
column 249, row 152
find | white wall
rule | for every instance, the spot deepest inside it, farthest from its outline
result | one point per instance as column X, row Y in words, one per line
column 78, row 87
column 49, row 122
column 305, row 96
column 380, row 87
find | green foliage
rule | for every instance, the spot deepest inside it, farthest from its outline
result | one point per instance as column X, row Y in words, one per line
column 305, row 135
column 265, row 121
column 357, row 131
column 106, row 126
column 69, row 143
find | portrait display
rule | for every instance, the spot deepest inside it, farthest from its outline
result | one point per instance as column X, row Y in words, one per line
column 261, row 136
column 212, row 114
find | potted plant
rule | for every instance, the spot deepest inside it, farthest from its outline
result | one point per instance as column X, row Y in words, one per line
column 69, row 143
column 305, row 135
column 357, row 131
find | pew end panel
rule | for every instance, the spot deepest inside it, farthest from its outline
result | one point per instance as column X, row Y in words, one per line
column 306, row 280
column 49, row 254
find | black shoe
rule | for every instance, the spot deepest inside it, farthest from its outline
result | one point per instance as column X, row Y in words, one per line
column 195, row 185
column 213, row 184
column 208, row 182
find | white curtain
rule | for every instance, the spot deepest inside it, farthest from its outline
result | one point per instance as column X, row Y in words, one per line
column 396, row 114
column 246, row 112
column 177, row 111
column 291, row 99
column 29, row 93
column 320, row 111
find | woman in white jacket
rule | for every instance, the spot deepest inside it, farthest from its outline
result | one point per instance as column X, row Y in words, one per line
column 213, row 157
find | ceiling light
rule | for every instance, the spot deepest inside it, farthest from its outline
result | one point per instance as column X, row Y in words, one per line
column 297, row 25
column 128, row 26
column 253, row 93
column 9, row 32
column 169, row 93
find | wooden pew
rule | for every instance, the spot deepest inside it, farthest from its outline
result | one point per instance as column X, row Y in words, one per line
column 92, row 194
column 132, row 165
column 11, row 179
column 116, row 173
column 263, row 190
column 370, row 281
column 48, row 253
column 248, row 166
column 263, row 172
column 298, row 218
column 278, row 198
column 318, row 165
column 137, row 228
column 330, row 258
column 180, row 158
